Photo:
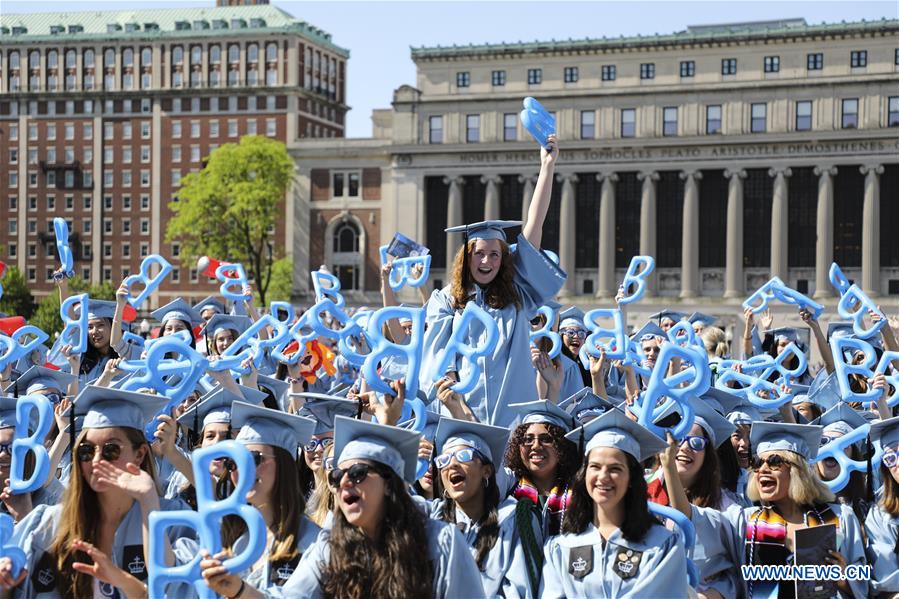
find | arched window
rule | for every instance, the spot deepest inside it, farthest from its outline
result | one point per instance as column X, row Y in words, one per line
column 346, row 238
column 271, row 52
column 215, row 54
column 233, row 54
column 70, row 59
column 109, row 58
column 52, row 59
column 253, row 53
column 128, row 57
column 196, row 55
column 146, row 57
column 34, row 59
column 177, row 55
column 88, row 57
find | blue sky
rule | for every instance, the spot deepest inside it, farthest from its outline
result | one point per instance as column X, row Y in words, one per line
column 379, row 34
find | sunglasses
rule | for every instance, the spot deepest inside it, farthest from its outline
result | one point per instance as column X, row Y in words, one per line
column 825, row 440
column 6, row 448
column 574, row 333
column 357, row 473
column 109, row 452
column 889, row 458
column 259, row 457
column 695, row 443
column 542, row 439
column 315, row 444
column 53, row 398
column 775, row 463
column 463, row 456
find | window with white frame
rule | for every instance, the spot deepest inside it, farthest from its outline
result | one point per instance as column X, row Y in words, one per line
column 345, row 184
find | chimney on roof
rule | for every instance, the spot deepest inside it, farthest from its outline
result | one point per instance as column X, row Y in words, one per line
column 240, row 2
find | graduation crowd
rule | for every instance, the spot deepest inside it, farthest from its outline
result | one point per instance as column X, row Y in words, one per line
column 539, row 477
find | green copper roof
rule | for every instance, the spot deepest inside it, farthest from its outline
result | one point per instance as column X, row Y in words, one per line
column 157, row 23
column 728, row 32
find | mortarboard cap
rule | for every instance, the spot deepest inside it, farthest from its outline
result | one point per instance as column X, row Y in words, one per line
column 488, row 229
column 802, row 439
column 716, row 426
column 667, row 315
column 226, row 322
column 845, row 329
column 585, row 405
column 490, row 441
column 543, row 412
column 216, row 407
column 432, row 420
column 650, row 329
column 841, row 419
column 394, row 447
column 571, row 317
column 792, row 335
column 705, row 320
column 276, row 387
column 325, row 408
column 38, row 378
column 98, row 309
column 264, row 426
column 177, row 309
column 102, row 407
column 614, row 429
column 886, row 432
column 210, row 303
column 738, row 410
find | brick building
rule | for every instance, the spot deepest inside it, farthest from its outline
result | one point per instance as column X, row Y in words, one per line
column 103, row 113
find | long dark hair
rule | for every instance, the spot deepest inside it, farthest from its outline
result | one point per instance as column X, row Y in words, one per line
column 92, row 356
column 288, row 507
column 499, row 293
column 488, row 530
column 569, row 457
column 396, row 565
column 728, row 466
column 706, row 488
column 637, row 517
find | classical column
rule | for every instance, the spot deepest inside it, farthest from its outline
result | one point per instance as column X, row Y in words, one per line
column 690, row 241
column 871, row 229
column 607, row 287
column 648, row 222
column 453, row 219
column 491, row 197
column 566, row 232
column 733, row 272
column 528, row 193
column 780, row 219
column 824, row 245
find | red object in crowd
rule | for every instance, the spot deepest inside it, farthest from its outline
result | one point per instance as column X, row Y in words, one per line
column 2, row 268
column 11, row 324
column 129, row 314
column 207, row 266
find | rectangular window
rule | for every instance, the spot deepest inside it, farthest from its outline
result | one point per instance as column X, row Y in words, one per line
column 145, row 178
column 87, row 130
column 570, row 74
column 713, row 119
column 814, row 62
column 498, row 78
column 687, row 68
column 86, row 225
column 69, row 131
column 232, row 128
column 126, row 203
column 609, row 72
column 145, row 202
column 51, row 131
column 176, row 178
column 858, row 59
column 126, row 178
column 850, row 113
column 772, row 64
column 87, row 202
column 648, row 70
column 195, row 153
column 145, row 130
column 669, row 121
column 195, row 129
column 126, row 130
column 804, row 115
column 535, row 76
column 510, row 126
column 472, row 128
column 176, row 129
column 144, row 226
column 144, row 250
column 126, row 155
column 337, row 185
column 729, row 66
column 463, row 79
column 759, row 118
column 588, row 124
column 126, row 226
column 893, row 116
column 213, row 128
column 628, row 122
column 176, row 153
column 435, row 129
column 145, row 154
column 271, row 127
column 251, row 127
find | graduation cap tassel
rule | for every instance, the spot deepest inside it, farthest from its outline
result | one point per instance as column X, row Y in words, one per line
column 869, row 483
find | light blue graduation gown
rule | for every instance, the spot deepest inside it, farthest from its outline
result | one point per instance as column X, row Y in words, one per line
column 455, row 572
column 35, row 534
column 883, row 529
column 654, row 567
column 261, row 578
column 505, row 570
column 573, row 381
column 507, row 376
column 726, row 532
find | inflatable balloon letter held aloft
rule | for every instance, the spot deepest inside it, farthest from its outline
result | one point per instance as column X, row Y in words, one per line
column 27, row 441
column 207, row 521
column 698, row 378
column 143, row 277
column 538, row 122
column 836, row 449
column 233, row 278
column 74, row 332
column 613, row 341
column 402, row 272
column 634, row 282
column 66, row 260
column 327, row 285
column 472, row 316
column 776, row 289
column 546, row 332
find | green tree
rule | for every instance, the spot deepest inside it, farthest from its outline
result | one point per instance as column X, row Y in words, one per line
column 17, row 299
column 227, row 210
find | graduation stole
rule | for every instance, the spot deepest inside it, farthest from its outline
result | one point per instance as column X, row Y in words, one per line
column 556, row 502
column 766, row 533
